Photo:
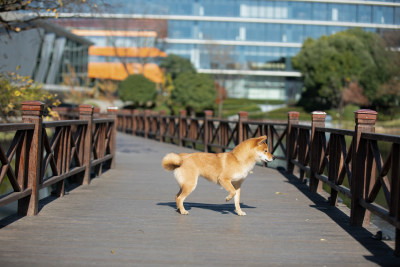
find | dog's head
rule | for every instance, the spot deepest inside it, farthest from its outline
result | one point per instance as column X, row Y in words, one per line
column 262, row 150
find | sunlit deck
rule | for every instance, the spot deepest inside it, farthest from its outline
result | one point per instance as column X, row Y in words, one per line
column 127, row 217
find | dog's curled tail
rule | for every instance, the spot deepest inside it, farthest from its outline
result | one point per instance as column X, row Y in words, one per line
column 171, row 161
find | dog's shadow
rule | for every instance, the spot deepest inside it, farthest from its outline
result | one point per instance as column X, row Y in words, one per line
column 221, row 208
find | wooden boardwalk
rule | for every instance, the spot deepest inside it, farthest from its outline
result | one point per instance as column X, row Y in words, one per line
column 127, row 217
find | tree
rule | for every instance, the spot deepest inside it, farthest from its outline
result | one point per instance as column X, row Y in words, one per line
column 175, row 65
column 138, row 89
column 388, row 98
column 194, row 91
column 31, row 10
column 14, row 89
column 332, row 63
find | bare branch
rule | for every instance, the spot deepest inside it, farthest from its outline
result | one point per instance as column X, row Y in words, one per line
column 24, row 11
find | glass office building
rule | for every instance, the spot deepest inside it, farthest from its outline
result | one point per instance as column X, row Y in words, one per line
column 248, row 44
column 47, row 53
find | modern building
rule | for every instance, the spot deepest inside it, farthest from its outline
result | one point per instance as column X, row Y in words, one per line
column 121, row 46
column 47, row 53
column 248, row 44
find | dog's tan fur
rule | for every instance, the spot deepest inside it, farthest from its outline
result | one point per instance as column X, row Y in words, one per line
column 226, row 169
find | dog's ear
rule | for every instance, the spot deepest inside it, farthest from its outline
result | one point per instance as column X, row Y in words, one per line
column 261, row 139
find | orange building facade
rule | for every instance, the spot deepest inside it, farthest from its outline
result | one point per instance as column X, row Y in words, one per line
column 122, row 47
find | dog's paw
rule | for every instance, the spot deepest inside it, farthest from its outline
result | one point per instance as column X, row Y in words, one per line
column 184, row 212
column 240, row 213
column 229, row 197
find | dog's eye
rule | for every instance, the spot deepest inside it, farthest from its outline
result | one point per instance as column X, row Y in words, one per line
column 266, row 151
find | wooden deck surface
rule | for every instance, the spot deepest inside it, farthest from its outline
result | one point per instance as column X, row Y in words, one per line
column 127, row 217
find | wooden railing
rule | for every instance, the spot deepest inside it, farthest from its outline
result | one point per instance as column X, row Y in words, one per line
column 348, row 162
column 43, row 154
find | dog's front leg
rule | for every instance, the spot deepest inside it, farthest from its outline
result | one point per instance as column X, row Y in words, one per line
column 227, row 185
column 238, row 210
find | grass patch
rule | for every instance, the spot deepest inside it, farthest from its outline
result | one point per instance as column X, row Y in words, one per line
column 232, row 106
column 242, row 101
column 348, row 113
column 235, row 109
column 393, row 123
column 282, row 113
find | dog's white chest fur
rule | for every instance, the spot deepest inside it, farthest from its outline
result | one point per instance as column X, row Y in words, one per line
column 243, row 173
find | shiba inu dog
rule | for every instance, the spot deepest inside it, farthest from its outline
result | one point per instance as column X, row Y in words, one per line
column 227, row 169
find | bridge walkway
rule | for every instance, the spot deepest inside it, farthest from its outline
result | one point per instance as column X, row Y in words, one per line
column 127, row 217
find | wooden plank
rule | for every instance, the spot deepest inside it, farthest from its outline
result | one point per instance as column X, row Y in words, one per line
column 101, row 121
column 335, row 131
column 7, row 127
column 382, row 137
column 302, row 126
column 55, row 179
column 63, row 123
column 301, row 166
column 340, row 188
column 9, row 198
column 381, row 212
column 101, row 160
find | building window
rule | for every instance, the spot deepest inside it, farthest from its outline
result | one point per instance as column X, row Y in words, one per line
column 301, row 10
column 335, row 14
column 397, row 15
column 242, row 34
column 364, row 14
column 383, row 15
column 320, row 11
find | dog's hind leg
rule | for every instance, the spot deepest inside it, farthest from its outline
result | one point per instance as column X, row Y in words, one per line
column 188, row 182
column 186, row 189
column 176, row 197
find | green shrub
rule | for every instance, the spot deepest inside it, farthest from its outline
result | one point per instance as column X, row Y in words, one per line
column 138, row 89
column 195, row 91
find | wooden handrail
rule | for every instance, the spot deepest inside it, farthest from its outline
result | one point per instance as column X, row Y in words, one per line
column 46, row 153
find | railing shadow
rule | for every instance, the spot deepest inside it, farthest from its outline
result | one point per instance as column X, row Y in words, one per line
column 10, row 219
column 381, row 251
column 71, row 184
column 220, row 208
column 13, row 217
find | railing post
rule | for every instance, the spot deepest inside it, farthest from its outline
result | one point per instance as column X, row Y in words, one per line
column 124, row 121
column 32, row 113
column 161, row 116
column 318, row 120
column 243, row 116
column 182, row 126
column 207, row 116
column 146, row 118
column 86, row 113
column 394, row 207
column 96, row 112
column 135, row 114
column 293, row 118
column 365, row 123
column 112, row 113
